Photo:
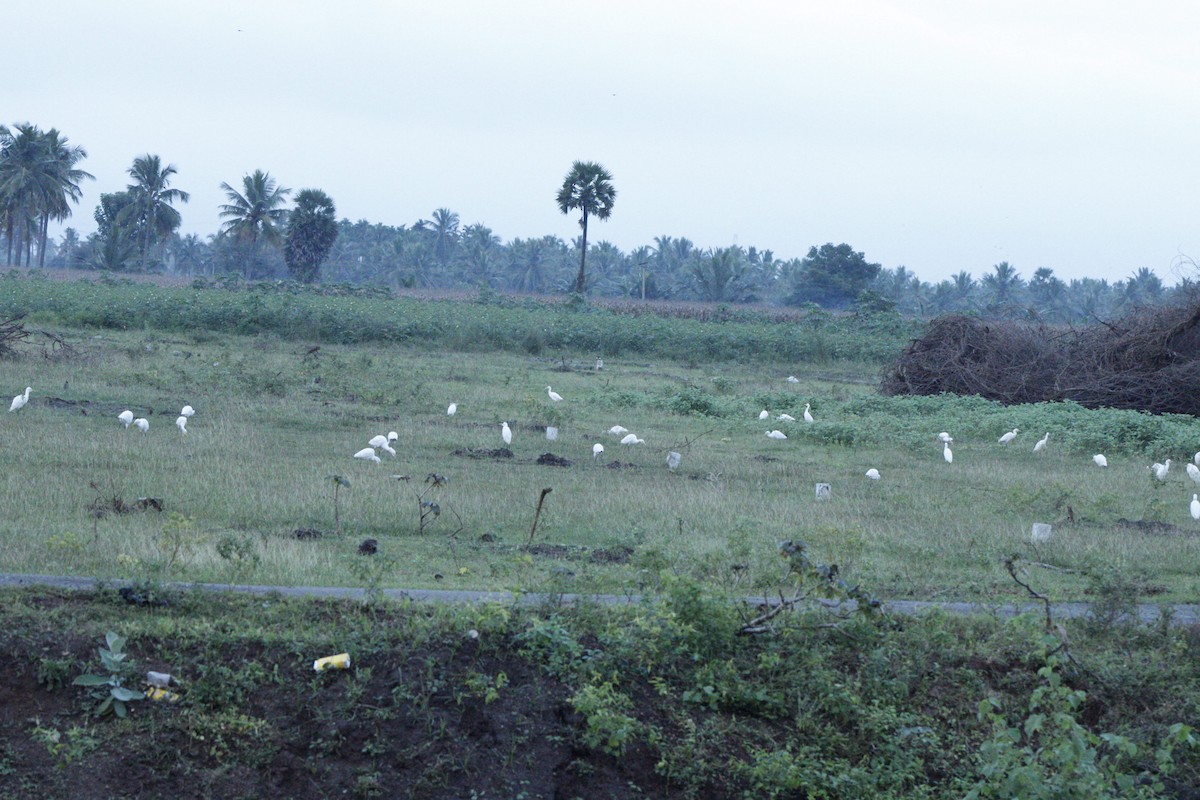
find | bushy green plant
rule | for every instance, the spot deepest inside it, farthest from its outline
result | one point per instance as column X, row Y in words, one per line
column 108, row 690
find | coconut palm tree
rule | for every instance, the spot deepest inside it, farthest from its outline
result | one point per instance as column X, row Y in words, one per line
column 38, row 182
column 254, row 213
column 151, row 208
column 587, row 188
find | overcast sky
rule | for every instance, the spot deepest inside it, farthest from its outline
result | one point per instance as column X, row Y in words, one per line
column 938, row 135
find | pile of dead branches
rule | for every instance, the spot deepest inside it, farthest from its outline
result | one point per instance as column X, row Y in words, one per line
column 12, row 333
column 1148, row 361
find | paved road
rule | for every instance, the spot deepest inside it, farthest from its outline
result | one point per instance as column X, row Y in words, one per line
column 1180, row 613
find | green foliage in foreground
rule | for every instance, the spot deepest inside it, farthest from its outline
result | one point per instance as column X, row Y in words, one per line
column 662, row 698
column 531, row 328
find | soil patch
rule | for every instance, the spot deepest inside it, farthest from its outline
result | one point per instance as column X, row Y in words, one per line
column 551, row 460
column 612, row 555
column 473, row 452
column 1152, row 527
column 620, row 465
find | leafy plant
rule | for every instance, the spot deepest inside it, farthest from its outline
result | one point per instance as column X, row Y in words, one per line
column 108, row 690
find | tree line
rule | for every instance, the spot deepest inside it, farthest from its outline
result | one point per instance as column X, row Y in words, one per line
column 260, row 237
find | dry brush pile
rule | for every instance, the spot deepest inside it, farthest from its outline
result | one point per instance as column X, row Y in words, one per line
column 1147, row 361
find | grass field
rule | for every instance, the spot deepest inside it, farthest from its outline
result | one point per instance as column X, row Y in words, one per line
column 275, row 421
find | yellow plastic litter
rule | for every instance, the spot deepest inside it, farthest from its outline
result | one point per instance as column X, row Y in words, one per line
column 340, row 661
column 155, row 693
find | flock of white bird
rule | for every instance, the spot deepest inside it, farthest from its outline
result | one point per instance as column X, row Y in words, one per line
column 126, row 417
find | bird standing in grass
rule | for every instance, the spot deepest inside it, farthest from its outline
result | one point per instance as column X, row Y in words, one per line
column 1160, row 470
column 142, row 424
column 506, row 432
column 188, row 411
column 181, row 423
column 785, row 418
column 383, row 443
column 764, row 414
column 1008, row 437
column 555, row 396
column 776, row 435
column 20, row 400
column 618, row 430
column 1193, row 472
column 126, row 416
column 1041, row 445
column 1196, row 507
column 873, row 474
column 945, row 438
column 451, row 409
column 597, row 450
column 632, row 438
column 1100, row 460
column 947, row 453
column 367, row 454
column 792, row 379
column 808, row 417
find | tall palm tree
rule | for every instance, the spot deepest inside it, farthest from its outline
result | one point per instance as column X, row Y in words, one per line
column 445, row 234
column 254, row 213
column 312, row 230
column 587, row 188
column 151, row 207
column 38, row 181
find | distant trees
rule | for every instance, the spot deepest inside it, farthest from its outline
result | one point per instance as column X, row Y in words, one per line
column 38, row 182
column 256, row 213
column 150, row 209
column 832, row 276
column 311, row 231
column 588, row 189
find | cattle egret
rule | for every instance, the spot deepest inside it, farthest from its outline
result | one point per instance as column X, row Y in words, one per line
column 506, row 432
column 1160, row 470
column 786, row 418
column 451, row 409
column 126, row 416
column 1196, row 459
column 597, row 449
column 947, row 454
column 392, row 436
column 1195, row 506
column 777, row 434
column 1008, row 437
column 367, row 454
column 551, row 432
column 873, row 474
column 383, row 443
column 181, row 423
column 1037, row 448
column 617, row 430
column 1100, row 460
column 555, row 396
column 764, row 414
column 20, row 400
column 632, row 438
column 188, row 411
column 1193, row 472
column 808, row 417
column 142, row 424
column 673, row 460
column 793, row 379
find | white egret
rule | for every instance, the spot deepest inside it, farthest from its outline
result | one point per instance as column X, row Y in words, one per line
column 367, row 454
column 873, row 474
column 1196, row 506
column 506, row 432
column 808, row 417
column 764, row 414
column 785, row 418
column 776, row 434
column 181, row 423
column 382, row 442
column 1041, row 445
column 945, row 438
column 451, row 409
column 673, row 460
column 1196, row 459
column 1008, row 437
column 793, row 379
column 947, row 453
column 617, row 430
column 555, row 396
column 551, row 432
column 632, row 438
column 1100, row 460
column 597, row 449
column 392, row 436
column 188, row 411
column 126, row 416
column 142, row 424
column 1193, row 472
column 599, row 364
column 20, row 400
column 1160, row 470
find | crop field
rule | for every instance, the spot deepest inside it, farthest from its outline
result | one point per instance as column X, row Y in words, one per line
column 250, row 493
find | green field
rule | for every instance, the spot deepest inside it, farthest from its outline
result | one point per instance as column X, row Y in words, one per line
column 276, row 419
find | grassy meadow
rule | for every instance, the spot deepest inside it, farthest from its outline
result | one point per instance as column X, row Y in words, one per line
column 276, row 418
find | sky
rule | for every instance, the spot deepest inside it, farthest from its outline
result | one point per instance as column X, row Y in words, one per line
column 937, row 135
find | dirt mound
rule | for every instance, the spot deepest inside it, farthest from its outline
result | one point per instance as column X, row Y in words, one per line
column 473, row 452
column 551, row 460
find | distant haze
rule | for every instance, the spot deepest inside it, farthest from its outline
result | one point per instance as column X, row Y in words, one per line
column 938, row 135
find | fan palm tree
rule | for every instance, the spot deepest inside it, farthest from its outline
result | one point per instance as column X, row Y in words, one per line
column 254, row 213
column 151, row 207
column 312, row 230
column 587, row 188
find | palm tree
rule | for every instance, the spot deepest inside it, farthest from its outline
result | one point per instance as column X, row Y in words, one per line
column 38, row 181
column 444, row 227
column 151, row 207
column 312, row 230
column 587, row 188
column 255, row 212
